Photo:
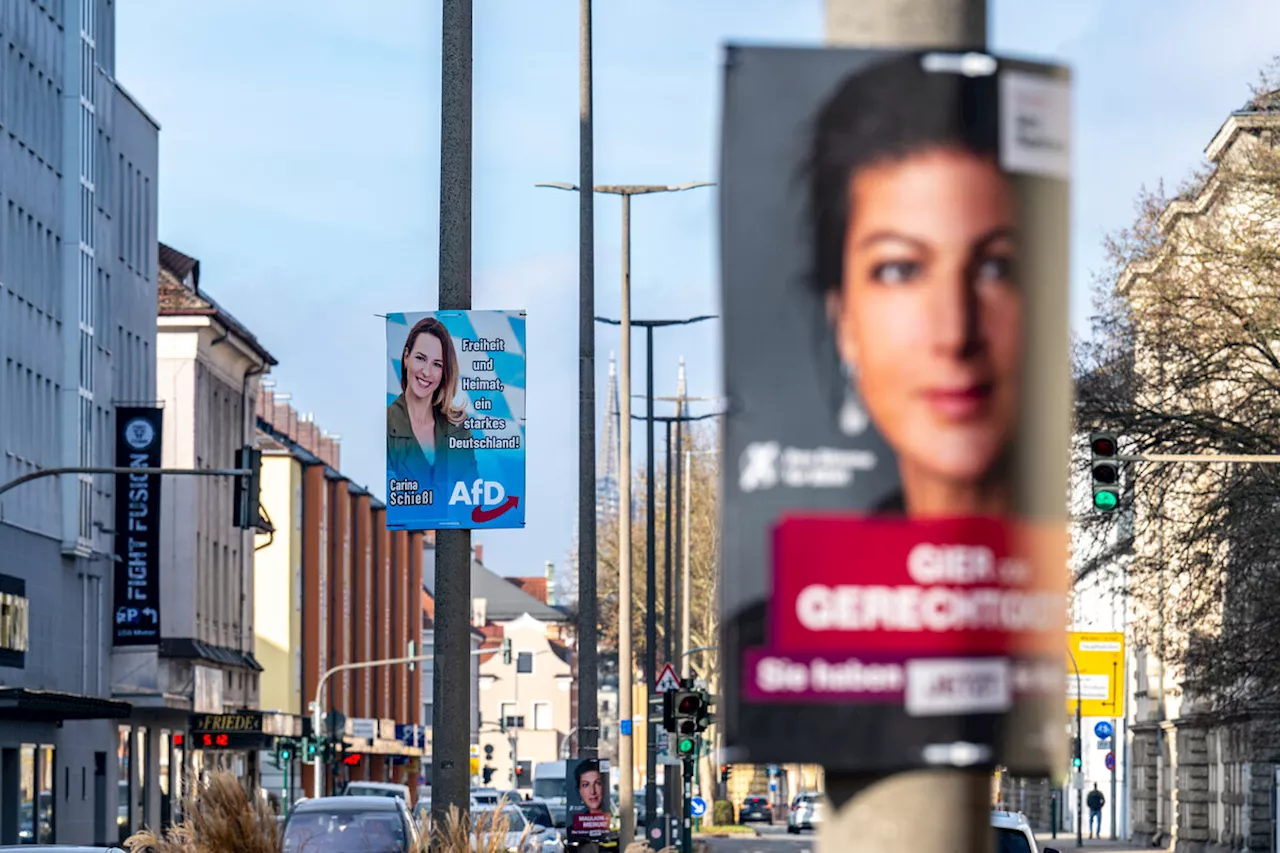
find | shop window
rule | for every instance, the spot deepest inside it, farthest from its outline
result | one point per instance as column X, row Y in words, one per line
column 140, row 778
column 166, row 809
column 27, row 794
column 46, row 766
column 123, row 786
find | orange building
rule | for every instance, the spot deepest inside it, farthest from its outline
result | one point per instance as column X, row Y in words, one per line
column 334, row 586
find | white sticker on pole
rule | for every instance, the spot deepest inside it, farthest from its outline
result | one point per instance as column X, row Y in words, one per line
column 958, row 686
column 1035, row 124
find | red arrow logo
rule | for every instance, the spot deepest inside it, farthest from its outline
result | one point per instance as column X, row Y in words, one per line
column 480, row 516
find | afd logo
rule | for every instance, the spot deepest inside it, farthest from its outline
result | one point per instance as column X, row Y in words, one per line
column 482, row 494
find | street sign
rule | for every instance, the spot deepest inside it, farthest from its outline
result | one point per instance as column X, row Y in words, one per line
column 1111, row 761
column 667, row 680
column 1103, row 730
column 1100, row 659
column 698, row 806
column 662, row 742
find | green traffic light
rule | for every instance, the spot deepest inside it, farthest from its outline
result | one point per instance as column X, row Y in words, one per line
column 686, row 744
column 1075, row 762
column 1105, row 501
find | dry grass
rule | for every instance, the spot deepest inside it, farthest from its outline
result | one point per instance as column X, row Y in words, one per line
column 221, row 818
column 459, row 834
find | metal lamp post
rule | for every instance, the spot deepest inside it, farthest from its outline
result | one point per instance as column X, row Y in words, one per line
column 626, row 773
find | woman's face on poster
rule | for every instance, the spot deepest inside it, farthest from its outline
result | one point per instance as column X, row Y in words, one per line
column 425, row 366
column 929, row 314
column 591, row 787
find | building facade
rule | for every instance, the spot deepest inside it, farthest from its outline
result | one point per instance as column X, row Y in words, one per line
column 208, row 366
column 347, row 587
column 78, row 184
column 428, row 692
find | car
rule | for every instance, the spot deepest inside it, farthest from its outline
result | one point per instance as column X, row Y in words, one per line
column 376, row 789
column 805, row 812
column 1013, row 833
column 538, row 813
column 350, row 824
column 521, row 836
column 755, row 808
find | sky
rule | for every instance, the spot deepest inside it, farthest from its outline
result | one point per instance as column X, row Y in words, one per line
column 299, row 161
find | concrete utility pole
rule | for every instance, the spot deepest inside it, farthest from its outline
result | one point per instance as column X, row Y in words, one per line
column 451, row 738
column 588, row 607
column 872, row 813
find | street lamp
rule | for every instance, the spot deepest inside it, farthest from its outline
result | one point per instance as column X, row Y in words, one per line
column 626, row 771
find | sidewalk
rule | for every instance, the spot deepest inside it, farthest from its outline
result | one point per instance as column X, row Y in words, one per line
column 1066, row 842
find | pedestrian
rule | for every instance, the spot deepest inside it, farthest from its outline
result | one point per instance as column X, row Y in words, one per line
column 1095, row 801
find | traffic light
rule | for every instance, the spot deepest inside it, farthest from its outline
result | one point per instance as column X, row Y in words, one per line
column 1076, row 760
column 1105, row 471
column 506, row 651
column 248, row 507
column 309, row 749
column 688, row 709
column 724, row 772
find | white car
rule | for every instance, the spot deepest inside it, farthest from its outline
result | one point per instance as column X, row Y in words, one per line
column 521, row 836
column 805, row 812
column 377, row 789
column 1014, row 835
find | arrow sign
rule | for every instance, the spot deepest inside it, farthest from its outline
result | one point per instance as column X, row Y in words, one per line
column 698, row 806
column 667, row 680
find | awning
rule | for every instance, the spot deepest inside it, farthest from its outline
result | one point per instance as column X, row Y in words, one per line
column 50, row 706
column 192, row 649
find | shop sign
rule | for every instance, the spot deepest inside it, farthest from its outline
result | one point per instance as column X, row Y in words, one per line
column 14, row 615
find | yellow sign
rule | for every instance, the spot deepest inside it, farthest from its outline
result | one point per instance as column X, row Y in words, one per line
column 475, row 767
column 1099, row 658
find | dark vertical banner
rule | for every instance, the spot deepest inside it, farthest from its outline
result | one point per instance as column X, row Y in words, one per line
column 137, row 553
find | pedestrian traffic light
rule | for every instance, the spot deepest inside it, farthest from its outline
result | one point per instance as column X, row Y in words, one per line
column 506, row 651
column 686, row 746
column 247, row 500
column 1076, row 760
column 309, row 748
column 1105, row 471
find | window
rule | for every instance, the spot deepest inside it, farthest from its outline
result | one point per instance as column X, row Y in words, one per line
column 524, row 663
column 124, row 784
column 542, row 716
column 510, row 719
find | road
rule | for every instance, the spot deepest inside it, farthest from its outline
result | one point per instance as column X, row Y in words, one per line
column 773, row 839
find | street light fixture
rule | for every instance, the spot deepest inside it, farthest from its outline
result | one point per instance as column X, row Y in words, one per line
column 626, row 772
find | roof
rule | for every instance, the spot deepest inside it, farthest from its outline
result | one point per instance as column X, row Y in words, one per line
column 346, row 805
column 534, row 586
column 179, row 295
column 504, row 601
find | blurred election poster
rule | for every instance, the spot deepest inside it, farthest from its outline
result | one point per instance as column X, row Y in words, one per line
column 455, row 419
column 587, row 802
column 894, row 238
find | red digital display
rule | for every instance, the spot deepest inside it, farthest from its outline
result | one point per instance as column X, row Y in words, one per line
column 177, row 740
column 351, row 759
column 215, row 740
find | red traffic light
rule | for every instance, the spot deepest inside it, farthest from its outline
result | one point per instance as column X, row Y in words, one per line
column 689, row 704
column 1104, row 446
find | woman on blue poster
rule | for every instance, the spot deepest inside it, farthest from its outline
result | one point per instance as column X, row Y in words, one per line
column 423, row 419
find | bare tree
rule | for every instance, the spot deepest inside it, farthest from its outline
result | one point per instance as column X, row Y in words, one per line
column 1185, row 358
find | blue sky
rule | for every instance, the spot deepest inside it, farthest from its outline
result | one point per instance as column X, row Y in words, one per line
column 299, row 157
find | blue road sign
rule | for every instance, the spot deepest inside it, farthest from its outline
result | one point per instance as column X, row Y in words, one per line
column 1111, row 761
column 1103, row 730
column 698, row 806
column 624, row 727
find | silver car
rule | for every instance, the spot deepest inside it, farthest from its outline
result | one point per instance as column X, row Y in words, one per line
column 805, row 812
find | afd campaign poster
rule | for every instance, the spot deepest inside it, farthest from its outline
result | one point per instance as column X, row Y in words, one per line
column 455, row 420
column 895, row 225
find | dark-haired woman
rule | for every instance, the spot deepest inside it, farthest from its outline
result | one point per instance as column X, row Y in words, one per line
column 915, row 241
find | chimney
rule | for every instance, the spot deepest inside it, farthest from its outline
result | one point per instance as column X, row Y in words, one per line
column 479, row 551
column 266, row 404
column 551, row 583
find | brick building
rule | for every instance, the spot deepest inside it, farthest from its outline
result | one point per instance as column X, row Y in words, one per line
column 334, row 587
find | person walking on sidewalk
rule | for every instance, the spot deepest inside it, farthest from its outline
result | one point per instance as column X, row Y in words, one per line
column 1095, row 801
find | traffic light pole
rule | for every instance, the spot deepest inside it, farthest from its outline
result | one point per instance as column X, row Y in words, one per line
column 1079, row 756
column 686, row 822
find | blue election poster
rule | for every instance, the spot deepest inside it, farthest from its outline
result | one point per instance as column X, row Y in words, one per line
column 455, row 420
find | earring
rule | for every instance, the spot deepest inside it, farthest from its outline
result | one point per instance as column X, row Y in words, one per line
column 853, row 417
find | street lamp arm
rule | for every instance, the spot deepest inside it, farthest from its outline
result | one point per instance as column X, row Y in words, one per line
column 699, row 649
column 660, row 323
column 116, row 469
column 682, row 419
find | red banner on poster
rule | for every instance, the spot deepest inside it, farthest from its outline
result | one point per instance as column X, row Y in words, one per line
column 937, row 588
